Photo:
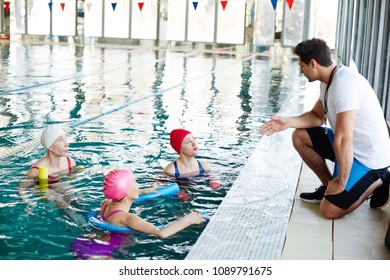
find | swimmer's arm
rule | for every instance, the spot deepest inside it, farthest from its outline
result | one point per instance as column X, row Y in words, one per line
column 206, row 166
column 32, row 173
column 186, row 221
column 23, row 189
column 152, row 189
column 78, row 168
column 53, row 196
column 138, row 224
column 212, row 181
column 26, row 183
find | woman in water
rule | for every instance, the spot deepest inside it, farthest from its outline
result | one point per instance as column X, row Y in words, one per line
column 186, row 165
column 185, row 144
column 55, row 142
column 120, row 190
column 57, row 163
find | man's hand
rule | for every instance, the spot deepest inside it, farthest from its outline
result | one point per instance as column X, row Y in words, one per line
column 276, row 124
column 334, row 187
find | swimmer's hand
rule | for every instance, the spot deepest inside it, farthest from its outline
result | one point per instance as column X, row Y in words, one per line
column 30, row 206
column 192, row 218
column 78, row 168
column 195, row 218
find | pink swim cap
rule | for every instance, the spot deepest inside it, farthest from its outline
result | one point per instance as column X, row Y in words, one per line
column 176, row 138
column 117, row 184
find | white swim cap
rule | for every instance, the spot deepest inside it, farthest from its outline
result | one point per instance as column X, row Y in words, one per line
column 50, row 134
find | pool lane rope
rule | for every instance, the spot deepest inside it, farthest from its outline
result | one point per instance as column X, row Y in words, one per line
column 5, row 152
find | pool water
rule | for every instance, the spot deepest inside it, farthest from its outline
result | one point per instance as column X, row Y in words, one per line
column 120, row 104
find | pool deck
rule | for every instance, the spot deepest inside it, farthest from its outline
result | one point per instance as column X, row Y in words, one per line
column 262, row 217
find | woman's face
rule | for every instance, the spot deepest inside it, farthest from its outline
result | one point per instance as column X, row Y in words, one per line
column 189, row 146
column 60, row 146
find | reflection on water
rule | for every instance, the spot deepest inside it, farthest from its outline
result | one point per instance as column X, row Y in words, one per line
column 120, row 105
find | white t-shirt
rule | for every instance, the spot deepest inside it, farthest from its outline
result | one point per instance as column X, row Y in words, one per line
column 351, row 91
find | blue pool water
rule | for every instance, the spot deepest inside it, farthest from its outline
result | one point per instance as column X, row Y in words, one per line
column 119, row 105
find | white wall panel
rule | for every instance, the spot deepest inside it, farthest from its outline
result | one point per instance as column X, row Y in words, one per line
column 93, row 18
column 231, row 22
column 201, row 21
column 144, row 15
column 117, row 19
column 18, row 17
column 38, row 17
column 176, row 28
column 64, row 17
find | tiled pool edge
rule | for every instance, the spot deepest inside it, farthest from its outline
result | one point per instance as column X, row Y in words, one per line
column 251, row 222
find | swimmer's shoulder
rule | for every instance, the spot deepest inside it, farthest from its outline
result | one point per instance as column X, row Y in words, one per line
column 206, row 166
column 123, row 218
column 33, row 171
column 169, row 169
column 72, row 161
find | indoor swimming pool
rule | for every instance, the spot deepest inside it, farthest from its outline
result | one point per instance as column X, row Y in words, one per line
column 119, row 104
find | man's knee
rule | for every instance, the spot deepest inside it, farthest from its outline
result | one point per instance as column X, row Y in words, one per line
column 300, row 137
column 331, row 211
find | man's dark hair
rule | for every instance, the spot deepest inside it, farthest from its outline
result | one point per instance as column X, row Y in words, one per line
column 316, row 49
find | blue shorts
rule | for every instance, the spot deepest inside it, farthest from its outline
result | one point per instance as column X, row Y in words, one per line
column 358, row 170
column 360, row 178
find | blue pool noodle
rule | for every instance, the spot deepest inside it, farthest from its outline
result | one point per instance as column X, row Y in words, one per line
column 168, row 190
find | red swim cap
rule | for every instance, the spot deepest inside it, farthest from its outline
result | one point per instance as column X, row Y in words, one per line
column 176, row 138
column 117, row 184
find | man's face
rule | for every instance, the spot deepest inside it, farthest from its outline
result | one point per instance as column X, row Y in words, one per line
column 307, row 70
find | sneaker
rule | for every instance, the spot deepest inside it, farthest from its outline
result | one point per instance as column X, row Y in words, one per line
column 380, row 196
column 314, row 197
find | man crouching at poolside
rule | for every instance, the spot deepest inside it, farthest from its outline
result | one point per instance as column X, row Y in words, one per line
column 357, row 139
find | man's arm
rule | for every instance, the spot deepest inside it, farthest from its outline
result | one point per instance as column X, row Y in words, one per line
column 313, row 118
column 343, row 148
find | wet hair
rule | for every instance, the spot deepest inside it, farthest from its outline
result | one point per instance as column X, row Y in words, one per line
column 316, row 49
